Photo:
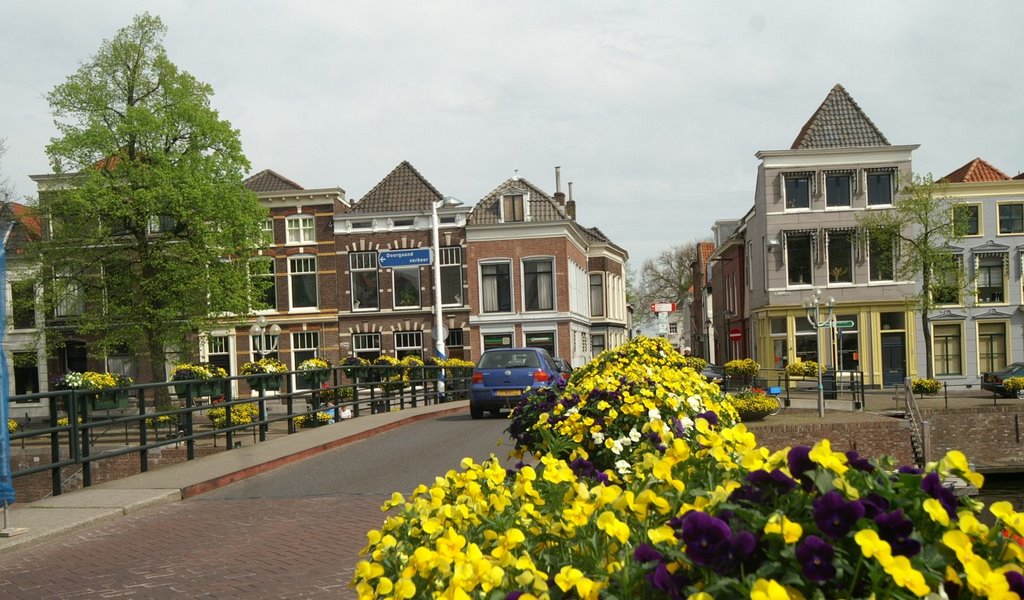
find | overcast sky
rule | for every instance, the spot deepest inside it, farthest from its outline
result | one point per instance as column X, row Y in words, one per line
column 654, row 110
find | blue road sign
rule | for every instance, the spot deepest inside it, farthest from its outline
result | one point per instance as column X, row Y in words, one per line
column 412, row 257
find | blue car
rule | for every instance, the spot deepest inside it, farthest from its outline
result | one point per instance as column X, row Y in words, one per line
column 504, row 376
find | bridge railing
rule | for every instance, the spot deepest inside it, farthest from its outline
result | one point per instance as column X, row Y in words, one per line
column 79, row 428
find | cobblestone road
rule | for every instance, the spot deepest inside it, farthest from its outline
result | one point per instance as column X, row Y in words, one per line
column 252, row 548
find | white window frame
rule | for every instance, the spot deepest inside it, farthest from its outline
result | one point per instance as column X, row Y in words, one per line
column 306, row 259
column 305, row 345
column 267, row 231
column 300, row 229
column 451, row 262
column 409, row 342
column 364, row 262
column 366, row 342
column 483, row 289
column 597, row 291
column 552, row 295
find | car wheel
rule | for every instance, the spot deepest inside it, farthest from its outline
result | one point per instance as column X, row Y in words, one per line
column 476, row 412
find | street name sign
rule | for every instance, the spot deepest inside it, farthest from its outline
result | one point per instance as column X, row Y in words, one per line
column 410, row 257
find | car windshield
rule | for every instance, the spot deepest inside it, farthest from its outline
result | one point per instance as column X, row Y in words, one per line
column 509, row 359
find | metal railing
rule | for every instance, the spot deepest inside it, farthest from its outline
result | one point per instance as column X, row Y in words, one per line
column 841, row 385
column 83, row 427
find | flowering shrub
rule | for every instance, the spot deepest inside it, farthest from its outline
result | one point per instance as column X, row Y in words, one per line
column 13, row 426
column 312, row 364
column 753, row 404
column 703, row 513
column 804, row 368
column 241, row 414
column 1012, row 384
column 926, row 386
column 162, row 420
column 64, row 421
column 263, row 366
column 91, row 381
column 742, row 368
column 695, row 362
column 621, row 404
column 197, row 371
column 320, row 417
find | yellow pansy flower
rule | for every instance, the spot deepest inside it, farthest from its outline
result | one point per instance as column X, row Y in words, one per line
column 768, row 589
column 780, row 525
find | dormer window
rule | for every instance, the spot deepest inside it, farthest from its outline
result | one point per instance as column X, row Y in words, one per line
column 513, row 208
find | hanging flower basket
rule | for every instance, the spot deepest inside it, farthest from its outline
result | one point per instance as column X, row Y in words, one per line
column 206, row 379
column 107, row 400
column 314, row 371
column 355, row 368
column 268, row 382
column 265, row 372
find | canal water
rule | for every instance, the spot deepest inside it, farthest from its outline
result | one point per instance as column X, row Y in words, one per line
column 1008, row 487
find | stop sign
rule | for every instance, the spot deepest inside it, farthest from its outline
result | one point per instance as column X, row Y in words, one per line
column 735, row 334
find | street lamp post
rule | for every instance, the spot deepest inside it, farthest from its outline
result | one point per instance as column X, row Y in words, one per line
column 813, row 307
column 439, row 330
column 257, row 332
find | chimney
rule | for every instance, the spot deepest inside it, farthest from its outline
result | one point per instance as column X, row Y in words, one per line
column 570, row 205
column 559, row 196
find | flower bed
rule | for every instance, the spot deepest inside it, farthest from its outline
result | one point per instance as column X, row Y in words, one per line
column 753, row 404
column 689, row 507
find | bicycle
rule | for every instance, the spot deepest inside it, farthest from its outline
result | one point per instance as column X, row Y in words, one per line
column 775, row 392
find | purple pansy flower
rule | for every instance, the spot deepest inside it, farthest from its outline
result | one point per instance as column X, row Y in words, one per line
column 703, row 535
column 815, row 556
column 857, row 462
column 1016, row 581
column 932, row 485
column 834, row 515
column 895, row 528
column 799, row 460
column 672, row 584
column 646, row 553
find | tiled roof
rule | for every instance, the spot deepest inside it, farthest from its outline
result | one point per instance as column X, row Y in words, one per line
column 974, row 171
column 542, row 206
column 1019, row 176
column 403, row 189
column 26, row 222
column 839, row 123
column 596, row 234
column 269, row 181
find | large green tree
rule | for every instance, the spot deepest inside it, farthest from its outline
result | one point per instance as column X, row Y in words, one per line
column 666, row 278
column 151, row 229
column 916, row 234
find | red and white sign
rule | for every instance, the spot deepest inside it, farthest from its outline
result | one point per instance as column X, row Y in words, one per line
column 735, row 334
column 660, row 307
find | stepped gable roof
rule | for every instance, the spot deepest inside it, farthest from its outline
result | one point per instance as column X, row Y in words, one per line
column 270, row 181
column 839, row 123
column 542, row 206
column 975, row 171
column 403, row 189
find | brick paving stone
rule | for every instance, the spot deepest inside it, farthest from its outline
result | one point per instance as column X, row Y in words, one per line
column 217, row 549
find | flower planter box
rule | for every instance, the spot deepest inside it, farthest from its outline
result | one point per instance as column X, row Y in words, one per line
column 108, row 400
column 314, row 377
column 210, row 388
column 270, row 382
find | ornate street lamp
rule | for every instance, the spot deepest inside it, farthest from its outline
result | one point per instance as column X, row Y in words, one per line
column 257, row 333
column 813, row 306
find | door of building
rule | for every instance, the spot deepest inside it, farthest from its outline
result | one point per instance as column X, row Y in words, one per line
column 894, row 359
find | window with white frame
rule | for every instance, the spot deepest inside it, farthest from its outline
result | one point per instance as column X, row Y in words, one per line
column 538, row 284
column 455, row 344
column 406, row 282
column 840, row 256
column 838, row 189
column 990, row 274
column 305, row 345
column 451, row 276
column 797, row 188
column 218, row 352
column 365, row 291
column 1011, row 217
column 991, row 346
column 798, row 258
column 946, row 343
column 880, row 184
column 265, row 345
column 513, row 208
column 409, row 343
column 302, row 275
column 496, row 289
column 300, row 229
column 261, row 269
column 596, row 295
column 881, row 257
column 267, row 232
column 366, row 345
